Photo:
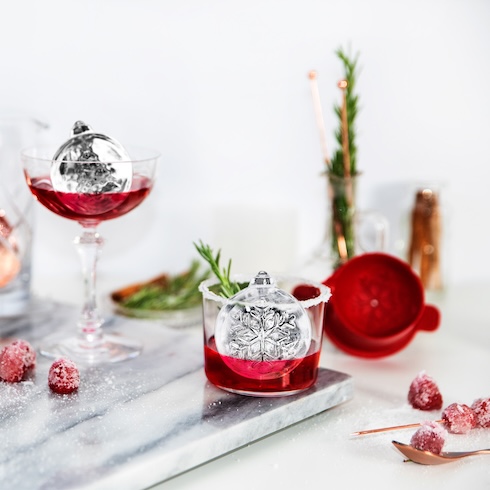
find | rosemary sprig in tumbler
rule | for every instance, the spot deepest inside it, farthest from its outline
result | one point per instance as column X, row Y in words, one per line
column 228, row 287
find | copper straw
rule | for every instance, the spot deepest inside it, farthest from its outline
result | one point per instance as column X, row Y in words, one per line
column 319, row 115
column 345, row 129
column 387, row 429
column 341, row 244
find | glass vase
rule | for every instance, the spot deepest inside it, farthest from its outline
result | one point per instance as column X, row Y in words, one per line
column 16, row 217
column 341, row 218
column 348, row 231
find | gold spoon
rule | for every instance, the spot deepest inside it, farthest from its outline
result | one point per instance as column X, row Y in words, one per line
column 426, row 457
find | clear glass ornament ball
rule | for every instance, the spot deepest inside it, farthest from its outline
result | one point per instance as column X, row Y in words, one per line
column 262, row 332
column 91, row 163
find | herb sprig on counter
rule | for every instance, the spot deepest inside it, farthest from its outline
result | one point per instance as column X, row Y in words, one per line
column 228, row 287
column 166, row 292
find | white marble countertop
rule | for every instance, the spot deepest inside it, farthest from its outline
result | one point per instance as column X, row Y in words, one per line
column 319, row 451
column 133, row 424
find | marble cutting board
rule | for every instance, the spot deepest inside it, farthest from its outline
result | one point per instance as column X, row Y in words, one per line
column 137, row 423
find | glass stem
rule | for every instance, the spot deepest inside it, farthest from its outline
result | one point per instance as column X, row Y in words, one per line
column 88, row 245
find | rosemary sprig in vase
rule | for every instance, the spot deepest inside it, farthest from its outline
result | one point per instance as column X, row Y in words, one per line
column 341, row 169
column 344, row 163
column 342, row 172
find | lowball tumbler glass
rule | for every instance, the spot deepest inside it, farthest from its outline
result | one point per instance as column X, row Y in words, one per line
column 270, row 375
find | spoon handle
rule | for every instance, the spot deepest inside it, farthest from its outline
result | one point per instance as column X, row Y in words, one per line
column 386, row 429
column 462, row 454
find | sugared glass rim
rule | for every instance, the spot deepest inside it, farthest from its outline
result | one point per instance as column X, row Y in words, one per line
column 45, row 153
column 324, row 295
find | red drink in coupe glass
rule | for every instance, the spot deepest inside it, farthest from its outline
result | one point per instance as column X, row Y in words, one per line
column 89, row 209
column 90, row 179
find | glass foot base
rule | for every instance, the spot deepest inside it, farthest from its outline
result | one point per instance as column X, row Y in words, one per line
column 109, row 349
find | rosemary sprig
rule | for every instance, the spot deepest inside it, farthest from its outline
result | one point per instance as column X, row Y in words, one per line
column 227, row 287
column 343, row 234
column 352, row 100
column 170, row 293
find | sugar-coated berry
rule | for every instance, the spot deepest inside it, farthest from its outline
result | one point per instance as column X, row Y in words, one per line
column 16, row 360
column 429, row 437
column 12, row 367
column 63, row 376
column 481, row 407
column 27, row 352
column 459, row 418
column 424, row 393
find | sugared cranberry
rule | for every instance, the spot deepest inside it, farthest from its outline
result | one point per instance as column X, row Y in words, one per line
column 424, row 393
column 63, row 376
column 16, row 360
column 429, row 437
column 481, row 407
column 459, row 418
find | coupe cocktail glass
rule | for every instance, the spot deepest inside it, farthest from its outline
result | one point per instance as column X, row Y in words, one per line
column 88, row 208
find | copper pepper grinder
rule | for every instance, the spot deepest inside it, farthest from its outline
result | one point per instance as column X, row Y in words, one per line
column 425, row 240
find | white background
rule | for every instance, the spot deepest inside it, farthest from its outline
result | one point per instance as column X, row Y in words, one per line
column 221, row 89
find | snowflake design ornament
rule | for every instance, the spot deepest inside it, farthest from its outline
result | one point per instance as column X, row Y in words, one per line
column 264, row 326
column 91, row 163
